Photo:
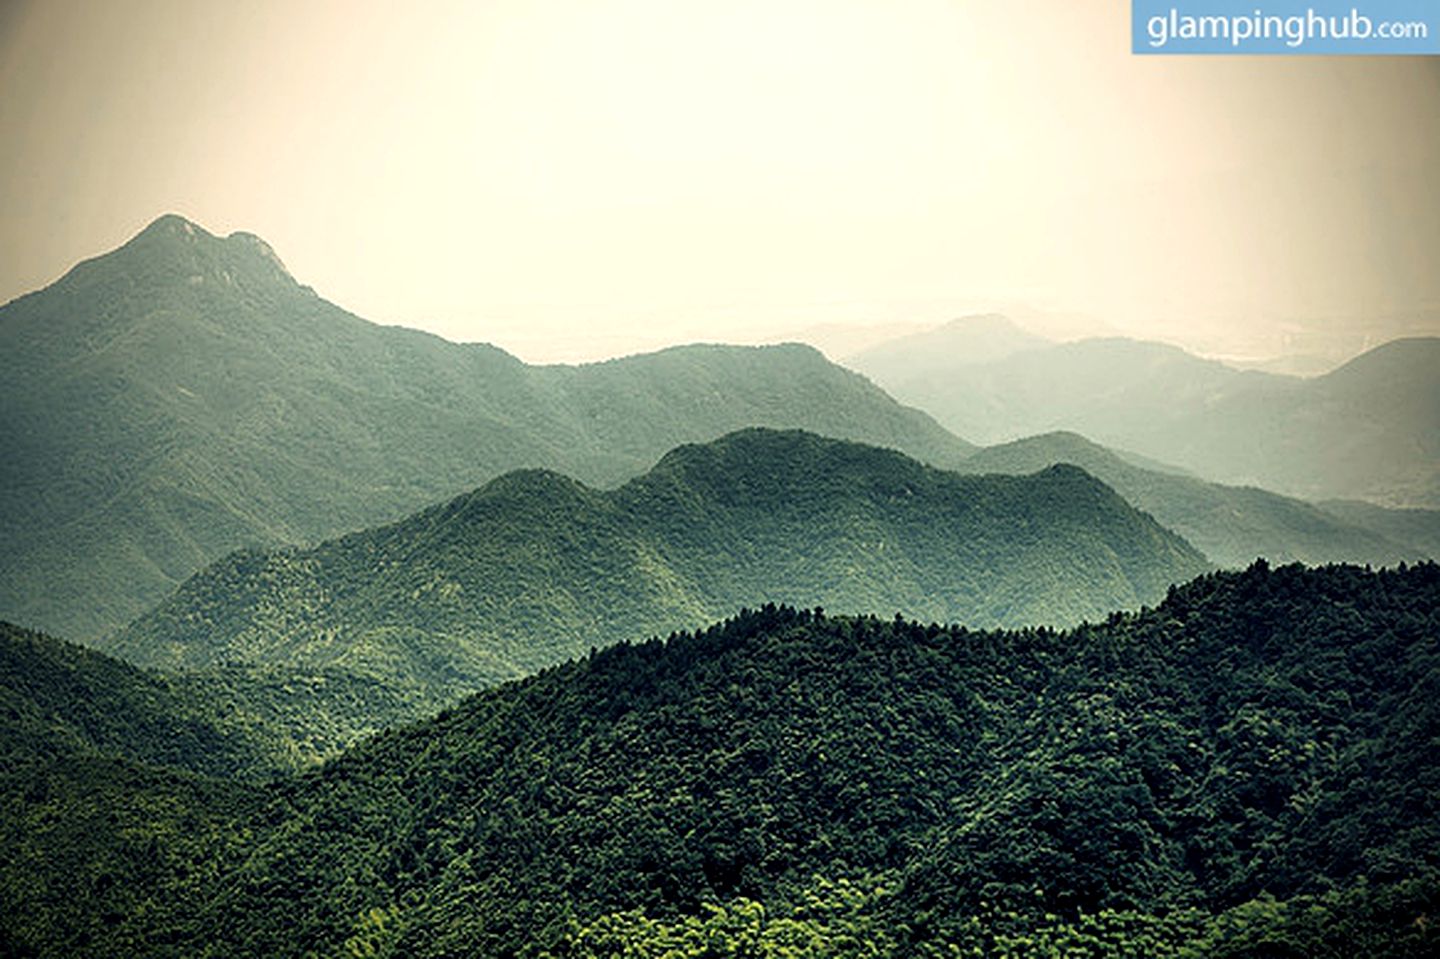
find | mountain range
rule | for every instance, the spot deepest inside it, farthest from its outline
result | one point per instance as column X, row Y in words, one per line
column 993, row 383
column 1417, row 528
column 1246, row 769
column 535, row 568
column 183, row 396
column 375, row 667
column 1369, row 430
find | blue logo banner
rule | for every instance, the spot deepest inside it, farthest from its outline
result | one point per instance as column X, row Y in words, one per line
column 1368, row 27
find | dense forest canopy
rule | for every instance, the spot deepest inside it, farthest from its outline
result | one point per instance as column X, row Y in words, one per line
column 1246, row 769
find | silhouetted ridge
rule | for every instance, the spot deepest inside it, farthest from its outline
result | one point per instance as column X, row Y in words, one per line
column 1409, row 353
column 171, row 226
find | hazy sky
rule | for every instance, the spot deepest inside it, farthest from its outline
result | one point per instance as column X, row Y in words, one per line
column 578, row 178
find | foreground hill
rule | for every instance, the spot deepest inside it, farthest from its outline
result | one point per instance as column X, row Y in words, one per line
column 183, row 396
column 1369, row 430
column 1247, row 769
column 1232, row 525
column 535, row 568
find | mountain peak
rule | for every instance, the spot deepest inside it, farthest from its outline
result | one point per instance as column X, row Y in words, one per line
column 173, row 225
column 174, row 249
column 773, row 456
column 976, row 339
column 1057, row 441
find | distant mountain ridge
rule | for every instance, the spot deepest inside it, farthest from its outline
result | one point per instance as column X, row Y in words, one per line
column 184, row 396
column 1232, row 525
column 535, row 568
column 1418, row 529
column 1101, row 388
column 1367, row 430
column 971, row 340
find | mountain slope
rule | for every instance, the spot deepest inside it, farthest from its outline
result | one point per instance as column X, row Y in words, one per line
column 1249, row 765
column 534, row 567
column 1367, row 430
column 1231, row 525
column 60, row 700
column 1418, row 529
column 183, row 396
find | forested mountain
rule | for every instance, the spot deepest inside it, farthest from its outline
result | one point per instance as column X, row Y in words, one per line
column 183, row 396
column 58, row 699
column 1369, row 430
column 1246, row 770
column 535, row 567
column 1231, row 525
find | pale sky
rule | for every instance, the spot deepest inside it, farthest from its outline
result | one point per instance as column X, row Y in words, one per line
column 574, row 179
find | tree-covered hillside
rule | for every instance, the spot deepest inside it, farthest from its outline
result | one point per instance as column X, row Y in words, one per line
column 182, row 397
column 1248, row 769
column 59, row 699
column 95, row 849
column 535, row 568
column 1231, row 525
